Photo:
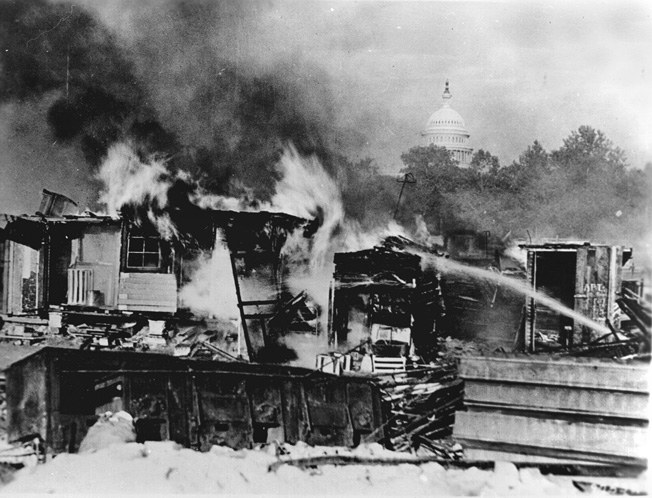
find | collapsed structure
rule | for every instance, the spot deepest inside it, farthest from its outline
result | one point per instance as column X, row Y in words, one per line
column 382, row 296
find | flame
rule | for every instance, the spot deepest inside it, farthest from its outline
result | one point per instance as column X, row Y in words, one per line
column 423, row 235
column 212, row 290
column 207, row 200
column 307, row 191
column 127, row 180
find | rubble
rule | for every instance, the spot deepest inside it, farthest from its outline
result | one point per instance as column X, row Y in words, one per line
column 420, row 407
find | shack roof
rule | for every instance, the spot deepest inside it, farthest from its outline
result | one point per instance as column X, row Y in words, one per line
column 76, row 360
column 93, row 218
column 30, row 230
column 562, row 245
column 378, row 266
column 570, row 246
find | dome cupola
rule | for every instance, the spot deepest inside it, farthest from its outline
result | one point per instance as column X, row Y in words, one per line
column 446, row 128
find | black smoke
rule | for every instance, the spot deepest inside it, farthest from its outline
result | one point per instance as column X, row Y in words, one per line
column 181, row 87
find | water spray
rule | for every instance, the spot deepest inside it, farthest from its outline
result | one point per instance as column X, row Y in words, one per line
column 449, row 266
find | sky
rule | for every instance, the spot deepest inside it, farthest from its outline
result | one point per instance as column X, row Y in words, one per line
column 364, row 75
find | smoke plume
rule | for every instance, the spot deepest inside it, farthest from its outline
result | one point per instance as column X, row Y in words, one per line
column 178, row 81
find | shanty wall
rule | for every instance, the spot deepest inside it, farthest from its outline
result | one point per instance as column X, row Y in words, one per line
column 98, row 249
column 546, row 408
column 30, row 402
column 95, row 263
column 148, row 292
column 359, row 275
column 597, row 281
column 590, row 278
column 80, row 265
column 59, row 393
column 5, row 276
column 20, row 274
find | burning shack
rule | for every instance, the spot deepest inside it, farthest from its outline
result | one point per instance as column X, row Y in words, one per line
column 109, row 276
column 381, row 298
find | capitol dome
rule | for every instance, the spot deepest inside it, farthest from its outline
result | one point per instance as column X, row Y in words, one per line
column 446, row 128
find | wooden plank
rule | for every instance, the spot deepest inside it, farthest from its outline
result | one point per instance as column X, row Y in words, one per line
column 169, row 295
column 159, row 309
column 592, row 373
column 25, row 320
column 147, row 285
column 148, row 291
column 148, row 302
column 497, row 455
column 293, row 422
column 559, row 399
column 530, row 311
column 146, row 276
column 581, row 298
column 546, row 433
column 155, row 292
column 544, row 457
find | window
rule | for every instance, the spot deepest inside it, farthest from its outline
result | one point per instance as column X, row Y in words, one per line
column 143, row 250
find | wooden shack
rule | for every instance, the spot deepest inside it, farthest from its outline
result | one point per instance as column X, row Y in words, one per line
column 57, row 394
column 584, row 277
column 381, row 295
column 58, row 270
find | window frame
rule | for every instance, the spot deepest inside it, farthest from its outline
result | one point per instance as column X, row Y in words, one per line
column 131, row 232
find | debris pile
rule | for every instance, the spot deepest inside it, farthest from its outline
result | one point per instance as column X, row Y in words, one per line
column 420, row 406
column 639, row 324
column 630, row 340
column 27, row 334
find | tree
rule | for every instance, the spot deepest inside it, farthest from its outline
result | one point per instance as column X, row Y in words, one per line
column 586, row 184
column 483, row 161
column 428, row 161
column 583, row 190
column 536, row 159
column 485, row 167
column 588, row 152
column 367, row 195
column 438, row 176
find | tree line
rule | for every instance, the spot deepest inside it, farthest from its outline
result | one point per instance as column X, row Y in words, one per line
column 585, row 190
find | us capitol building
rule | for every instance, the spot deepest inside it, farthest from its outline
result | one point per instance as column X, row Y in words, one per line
column 446, row 128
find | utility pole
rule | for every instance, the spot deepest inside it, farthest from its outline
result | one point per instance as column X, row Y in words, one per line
column 407, row 178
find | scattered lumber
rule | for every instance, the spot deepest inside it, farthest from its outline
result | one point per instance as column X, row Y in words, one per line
column 421, row 406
